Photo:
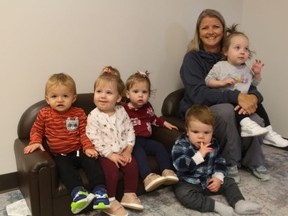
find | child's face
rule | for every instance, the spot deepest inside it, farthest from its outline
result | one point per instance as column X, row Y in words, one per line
column 199, row 132
column 138, row 94
column 106, row 96
column 238, row 51
column 60, row 98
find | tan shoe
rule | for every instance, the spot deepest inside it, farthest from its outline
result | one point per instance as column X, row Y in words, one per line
column 152, row 181
column 170, row 177
column 130, row 200
column 116, row 209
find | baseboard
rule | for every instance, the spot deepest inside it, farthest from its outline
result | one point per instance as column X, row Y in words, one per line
column 8, row 181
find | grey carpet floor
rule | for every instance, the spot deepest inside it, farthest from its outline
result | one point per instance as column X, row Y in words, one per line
column 271, row 195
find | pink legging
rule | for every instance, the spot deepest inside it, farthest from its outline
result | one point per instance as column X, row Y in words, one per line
column 111, row 172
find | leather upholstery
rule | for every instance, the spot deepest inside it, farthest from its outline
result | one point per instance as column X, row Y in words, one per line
column 170, row 108
column 37, row 174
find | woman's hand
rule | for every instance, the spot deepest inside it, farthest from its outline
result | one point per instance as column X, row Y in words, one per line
column 247, row 104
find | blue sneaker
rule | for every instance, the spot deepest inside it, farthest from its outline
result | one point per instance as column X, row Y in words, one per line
column 81, row 199
column 101, row 200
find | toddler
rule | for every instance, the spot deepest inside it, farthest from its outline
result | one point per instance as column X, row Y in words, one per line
column 202, row 171
column 143, row 117
column 234, row 74
column 64, row 127
column 111, row 131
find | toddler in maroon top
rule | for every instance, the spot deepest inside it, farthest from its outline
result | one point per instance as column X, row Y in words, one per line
column 142, row 115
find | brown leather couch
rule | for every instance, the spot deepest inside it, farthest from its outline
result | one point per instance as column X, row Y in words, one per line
column 37, row 175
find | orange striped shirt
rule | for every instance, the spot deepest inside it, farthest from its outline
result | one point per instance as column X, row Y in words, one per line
column 65, row 132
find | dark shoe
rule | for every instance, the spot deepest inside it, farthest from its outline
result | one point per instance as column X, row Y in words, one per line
column 81, row 199
column 101, row 200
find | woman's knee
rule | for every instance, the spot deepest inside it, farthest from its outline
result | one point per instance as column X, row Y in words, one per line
column 225, row 111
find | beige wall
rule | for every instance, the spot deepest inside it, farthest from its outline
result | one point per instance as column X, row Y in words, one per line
column 265, row 22
column 79, row 37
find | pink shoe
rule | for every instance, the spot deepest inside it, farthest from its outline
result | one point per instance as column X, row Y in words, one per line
column 170, row 177
column 152, row 181
column 130, row 200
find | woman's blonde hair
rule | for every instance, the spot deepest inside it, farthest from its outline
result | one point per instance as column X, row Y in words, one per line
column 196, row 42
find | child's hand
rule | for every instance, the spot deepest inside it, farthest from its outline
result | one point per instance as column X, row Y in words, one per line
column 91, row 153
column 31, row 148
column 214, row 184
column 228, row 81
column 257, row 67
column 169, row 125
column 205, row 149
column 117, row 159
column 127, row 154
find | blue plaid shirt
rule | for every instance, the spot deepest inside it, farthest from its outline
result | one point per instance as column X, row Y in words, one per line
column 188, row 170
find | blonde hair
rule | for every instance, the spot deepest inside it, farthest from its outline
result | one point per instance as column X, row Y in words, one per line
column 196, row 41
column 232, row 32
column 201, row 113
column 60, row 79
column 110, row 77
column 138, row 77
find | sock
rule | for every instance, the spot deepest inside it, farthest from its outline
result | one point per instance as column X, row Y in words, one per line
column 223, row 209
column 244, row 207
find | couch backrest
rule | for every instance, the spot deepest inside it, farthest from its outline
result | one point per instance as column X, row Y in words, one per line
column 85, row 101
column 170, row 106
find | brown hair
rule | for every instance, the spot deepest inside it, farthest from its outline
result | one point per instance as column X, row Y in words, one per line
column 230, row 33
column 201, row 113
column 138, row 77
column 60, row 79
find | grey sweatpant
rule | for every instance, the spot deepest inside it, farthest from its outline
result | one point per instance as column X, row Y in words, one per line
column 235, row 149
column 194, row 197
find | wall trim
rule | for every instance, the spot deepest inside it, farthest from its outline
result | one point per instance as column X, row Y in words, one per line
column 8, row 181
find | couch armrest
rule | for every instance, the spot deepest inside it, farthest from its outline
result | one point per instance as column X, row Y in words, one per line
column 37, row 178
column 165, row 136
column 170, row 106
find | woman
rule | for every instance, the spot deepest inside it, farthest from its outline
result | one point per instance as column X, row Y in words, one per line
column 203, row 52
